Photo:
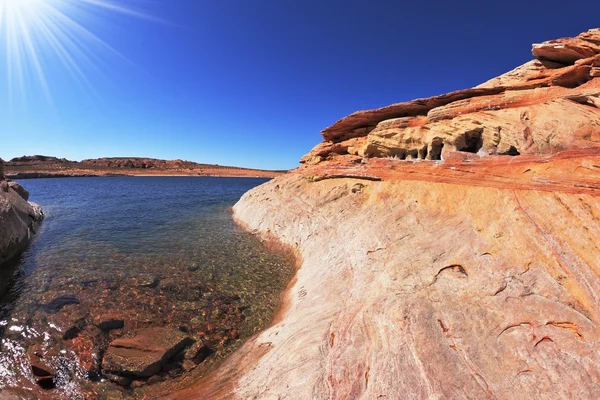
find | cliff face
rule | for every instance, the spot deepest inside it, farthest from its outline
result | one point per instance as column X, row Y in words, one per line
column 18, row 219
column 471, row 274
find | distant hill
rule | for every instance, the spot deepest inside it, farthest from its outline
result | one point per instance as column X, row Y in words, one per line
column 47, row 166
column 38, row 158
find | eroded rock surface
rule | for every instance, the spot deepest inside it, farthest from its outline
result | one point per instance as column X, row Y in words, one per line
column 436, row 290
column 473, row 277
column 544, row 106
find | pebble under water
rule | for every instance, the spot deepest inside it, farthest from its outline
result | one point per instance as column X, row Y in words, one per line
column 118, row 258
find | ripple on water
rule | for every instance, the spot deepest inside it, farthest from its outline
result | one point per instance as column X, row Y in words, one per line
column 120, row 254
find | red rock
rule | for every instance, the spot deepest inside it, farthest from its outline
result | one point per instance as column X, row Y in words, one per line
column 144, row 354
column 569, row 50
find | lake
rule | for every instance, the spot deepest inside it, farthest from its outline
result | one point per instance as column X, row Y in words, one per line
column 118, row 254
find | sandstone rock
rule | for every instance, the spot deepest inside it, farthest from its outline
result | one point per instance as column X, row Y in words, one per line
column 518, row 112
column 569, row 50
column 21, row 191
column 530, row 71
column 18, row 221
column 361, row 123
column 474, row 277
column 426, row 275
column 144, row 354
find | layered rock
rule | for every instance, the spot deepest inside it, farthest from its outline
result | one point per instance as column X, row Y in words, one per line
column 542, row 107
column 18, row 218
column 476, row 276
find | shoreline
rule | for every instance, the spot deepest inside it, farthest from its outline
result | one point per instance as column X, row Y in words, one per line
column 57, row 176
column 384, row 296
column 51, row 167
column 221, row 382
column 261, row 317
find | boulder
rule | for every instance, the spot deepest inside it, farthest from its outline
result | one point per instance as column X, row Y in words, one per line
column 21, row 191
column 18, row 221
column 145, row 353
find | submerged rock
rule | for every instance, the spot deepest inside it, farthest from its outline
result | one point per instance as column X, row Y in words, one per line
column 144, row 354
column 58, row 303
column 43, row 372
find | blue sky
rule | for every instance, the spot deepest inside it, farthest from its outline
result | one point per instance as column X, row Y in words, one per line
column 252, row 83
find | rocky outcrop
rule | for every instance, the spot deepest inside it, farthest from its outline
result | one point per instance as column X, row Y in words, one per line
column 476, row 276
column 542, row 107
column 18, row 219
column 568, row 50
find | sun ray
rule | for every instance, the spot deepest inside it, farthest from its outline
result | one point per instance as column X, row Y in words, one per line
column 36, row 32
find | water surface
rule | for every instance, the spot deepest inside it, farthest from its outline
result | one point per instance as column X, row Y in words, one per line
column 149, row 251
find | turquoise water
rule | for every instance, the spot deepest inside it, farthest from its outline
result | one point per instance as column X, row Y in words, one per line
column 148, row 251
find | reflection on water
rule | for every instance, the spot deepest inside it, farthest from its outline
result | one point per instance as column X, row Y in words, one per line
column 117, row 255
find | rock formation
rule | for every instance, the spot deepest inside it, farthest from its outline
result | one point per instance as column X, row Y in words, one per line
column 448, row 247
column 542, row 107
column 18, row 219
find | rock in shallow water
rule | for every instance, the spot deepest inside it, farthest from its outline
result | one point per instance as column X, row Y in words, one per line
column 143, row 355
column 56, row 304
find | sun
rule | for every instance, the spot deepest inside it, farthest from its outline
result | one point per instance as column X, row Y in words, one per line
column 35, row 32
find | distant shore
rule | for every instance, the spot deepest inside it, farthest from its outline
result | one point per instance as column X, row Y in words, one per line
column 31, row 167
column 43, row 175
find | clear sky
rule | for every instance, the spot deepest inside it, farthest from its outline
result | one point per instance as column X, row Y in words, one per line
column 252, row 82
